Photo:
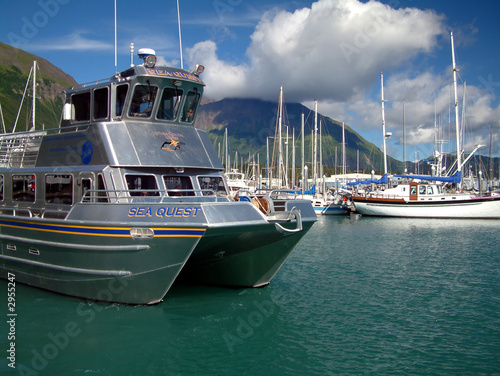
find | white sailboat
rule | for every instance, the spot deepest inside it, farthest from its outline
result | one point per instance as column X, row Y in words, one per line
column 427, row 196
column 325, row 203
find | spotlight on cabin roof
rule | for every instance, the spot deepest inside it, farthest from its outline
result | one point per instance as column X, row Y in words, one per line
column 198, row 69
column 148, row 55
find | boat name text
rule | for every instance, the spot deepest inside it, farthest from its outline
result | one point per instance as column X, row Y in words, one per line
column 171, row 211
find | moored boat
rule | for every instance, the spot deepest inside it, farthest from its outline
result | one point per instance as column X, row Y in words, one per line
column 126, row 192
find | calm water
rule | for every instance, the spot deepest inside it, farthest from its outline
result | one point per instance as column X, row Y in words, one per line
column 368, row 296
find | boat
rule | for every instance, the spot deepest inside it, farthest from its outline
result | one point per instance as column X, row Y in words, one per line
column 124, row 196
column 430, row 196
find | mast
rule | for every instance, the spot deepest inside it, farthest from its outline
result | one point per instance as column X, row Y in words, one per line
column 404, row 140
column 34, row 93
column 1, row 117
column 22, row 100
column 320, row 151
column 457, row 125
column 343, row 152
column 315, row 147
column 303, row 153
column 383, row 121
column 293, row 158
column 180, row 38
column 280, row 145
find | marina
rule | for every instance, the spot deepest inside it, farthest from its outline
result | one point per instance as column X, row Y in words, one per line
column 410, row 296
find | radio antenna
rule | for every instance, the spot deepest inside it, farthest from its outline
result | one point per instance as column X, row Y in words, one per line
column 115, row 41
column 180, row 38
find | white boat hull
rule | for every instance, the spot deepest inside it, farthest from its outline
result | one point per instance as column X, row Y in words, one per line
column 485, row 207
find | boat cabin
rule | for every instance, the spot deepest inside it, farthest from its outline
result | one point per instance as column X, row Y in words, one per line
column 125, row 138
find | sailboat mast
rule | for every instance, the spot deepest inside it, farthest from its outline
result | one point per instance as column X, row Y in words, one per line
column 457, row 125
column 280, row 145
column 343, row 152
column 1, row 117
column 34, row 92
column 315, row 149
column 383, row 121
column 303, row 157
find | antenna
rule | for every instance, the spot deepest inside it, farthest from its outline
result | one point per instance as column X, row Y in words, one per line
column 131, row 55
column 180, row 38
column 115, row 41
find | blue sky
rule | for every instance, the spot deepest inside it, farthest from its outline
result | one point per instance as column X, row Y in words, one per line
column 332, row 51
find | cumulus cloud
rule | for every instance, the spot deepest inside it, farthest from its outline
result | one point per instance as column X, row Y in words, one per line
column 334, row 52
column 329, row 51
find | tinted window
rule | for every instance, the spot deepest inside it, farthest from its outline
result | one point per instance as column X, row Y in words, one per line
column 188, row 112
column 101, row 103
column 143, row 101
column 178, row 185
column 81, row 107
column 142, row 185
column 23, row 188
column 169, row 104
column 59, row 189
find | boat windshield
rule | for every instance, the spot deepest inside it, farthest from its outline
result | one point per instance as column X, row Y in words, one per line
column 143, row 101
column 188, row 112
column 169, row 104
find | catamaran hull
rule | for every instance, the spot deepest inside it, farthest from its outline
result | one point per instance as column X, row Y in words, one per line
column 480, row 208
column 246, row 253
column 98, row 261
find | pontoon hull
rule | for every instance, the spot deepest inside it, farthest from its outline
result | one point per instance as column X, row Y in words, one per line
column 97, row 262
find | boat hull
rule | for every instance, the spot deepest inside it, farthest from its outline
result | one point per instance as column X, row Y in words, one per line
column 95, row 261
column 480, row 208
column 246, row 253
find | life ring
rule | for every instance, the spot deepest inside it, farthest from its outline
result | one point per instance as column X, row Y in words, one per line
column 261, row 203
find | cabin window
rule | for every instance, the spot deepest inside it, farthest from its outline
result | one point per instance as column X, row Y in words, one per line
column 102, row 194
column 212, row 184
column 86, row 187
column 121, row 95
column 169, row 104
column 1, row 187
column 429, row 190
column 142, row 185
column 421, row 190
column 23, row 188
column 178, row 185
column 143, row 101
column 188, row 112
column 80, row 107
column 101, row 103
column 59, row 189
column 413, row 190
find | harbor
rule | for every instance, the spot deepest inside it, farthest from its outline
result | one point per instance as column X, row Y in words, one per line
column 381, row 303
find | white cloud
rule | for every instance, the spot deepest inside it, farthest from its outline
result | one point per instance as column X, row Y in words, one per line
column 76, row 41
column 334, row 52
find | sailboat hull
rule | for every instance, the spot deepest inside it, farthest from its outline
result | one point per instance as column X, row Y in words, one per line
column 467, row 208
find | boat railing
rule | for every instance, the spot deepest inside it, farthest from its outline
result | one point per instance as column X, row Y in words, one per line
column 107, row 196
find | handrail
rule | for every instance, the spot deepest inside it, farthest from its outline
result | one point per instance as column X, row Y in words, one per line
column 104, row 196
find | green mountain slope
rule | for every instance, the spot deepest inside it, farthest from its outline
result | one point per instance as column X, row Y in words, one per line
column 251, row 121
column 15, row 66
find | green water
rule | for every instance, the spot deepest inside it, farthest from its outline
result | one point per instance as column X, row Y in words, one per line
column 370, row 296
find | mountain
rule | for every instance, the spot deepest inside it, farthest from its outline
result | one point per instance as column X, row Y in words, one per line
column 15, row 65
column 250, row 122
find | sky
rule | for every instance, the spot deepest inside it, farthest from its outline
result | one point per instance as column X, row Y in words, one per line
column 332, row 51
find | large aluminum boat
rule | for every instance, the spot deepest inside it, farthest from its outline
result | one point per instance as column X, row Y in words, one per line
column 126, row 193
